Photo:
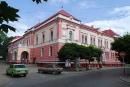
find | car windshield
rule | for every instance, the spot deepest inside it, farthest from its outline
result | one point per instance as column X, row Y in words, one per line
column 19, row 66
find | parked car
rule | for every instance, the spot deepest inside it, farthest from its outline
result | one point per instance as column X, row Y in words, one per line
column 17, row 69
column 50, row 69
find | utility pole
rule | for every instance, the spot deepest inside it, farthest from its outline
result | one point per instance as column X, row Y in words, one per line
column 123, row 54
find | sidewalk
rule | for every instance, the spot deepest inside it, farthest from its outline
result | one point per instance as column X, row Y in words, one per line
column 125, row 78
column 3, row 80
column 3, row 77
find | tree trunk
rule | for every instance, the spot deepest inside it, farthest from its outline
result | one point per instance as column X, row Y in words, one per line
column 86, row 64
column 89, row 65
column 77, row 64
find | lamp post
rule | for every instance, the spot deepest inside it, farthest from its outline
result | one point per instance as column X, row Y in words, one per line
column 123, row 54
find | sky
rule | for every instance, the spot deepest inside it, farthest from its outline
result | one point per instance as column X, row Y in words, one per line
column 103, row 14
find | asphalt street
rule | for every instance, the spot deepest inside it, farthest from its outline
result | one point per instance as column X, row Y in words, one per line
column 98, row 78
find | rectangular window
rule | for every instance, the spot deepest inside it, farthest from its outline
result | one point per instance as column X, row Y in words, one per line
column 42, row 51
column 43, row 37
column 27, row 42
column 91, row 40
column 101, row 42
column 82, row 38
column 85, row 39
column 50, row 51
column 36, row 39
column 98, row 42
column 70, row 35
column 107, row 55
column 51, row 35
column 106, row 43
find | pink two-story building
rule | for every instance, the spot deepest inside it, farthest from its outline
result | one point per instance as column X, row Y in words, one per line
column 43, row 41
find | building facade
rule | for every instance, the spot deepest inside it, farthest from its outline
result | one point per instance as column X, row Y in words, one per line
column 43, row 41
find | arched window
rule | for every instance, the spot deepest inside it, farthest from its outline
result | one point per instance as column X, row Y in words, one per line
column 71, row 35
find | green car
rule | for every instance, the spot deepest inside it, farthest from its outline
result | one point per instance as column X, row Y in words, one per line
column 17, row 69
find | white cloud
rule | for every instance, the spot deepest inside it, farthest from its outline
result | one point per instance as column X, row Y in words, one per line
column 84, row 4
column 26, row 22
column 20, row 26
column 122, row 11
column 59, row 1
column 120, row 25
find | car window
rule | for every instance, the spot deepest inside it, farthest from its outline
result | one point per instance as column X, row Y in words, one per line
column 19, row 66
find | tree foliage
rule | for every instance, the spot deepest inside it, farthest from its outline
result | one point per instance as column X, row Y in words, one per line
column 95, row 52
column 122, row 44
column 4, row 43
column 10, row 14
column 7, row 14
column 39, row 1
column 72, row 51
column 69, row 51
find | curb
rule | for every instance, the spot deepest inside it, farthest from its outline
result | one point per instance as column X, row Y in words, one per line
column 4, row 82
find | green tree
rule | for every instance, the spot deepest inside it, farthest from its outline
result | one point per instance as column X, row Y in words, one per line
column 84, row 54
column 4, row 43
column 97, row 53
column 74, row 51
column 68, row 51
column 9, row 14
column 122, row 44
column 94, row 52
column 39, row 1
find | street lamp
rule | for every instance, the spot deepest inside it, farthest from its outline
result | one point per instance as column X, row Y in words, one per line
column 123, row 54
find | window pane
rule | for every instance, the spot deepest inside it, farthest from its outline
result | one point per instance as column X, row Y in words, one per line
column 70, row 35
column 51, row 35
column 43, row 37
column 42, row 51
column 50, row 51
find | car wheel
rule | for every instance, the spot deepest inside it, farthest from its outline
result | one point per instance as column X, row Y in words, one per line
column 59, row 72
column 39, row 71
column 24, row 75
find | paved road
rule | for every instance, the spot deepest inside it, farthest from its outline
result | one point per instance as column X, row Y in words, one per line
column 103, row 78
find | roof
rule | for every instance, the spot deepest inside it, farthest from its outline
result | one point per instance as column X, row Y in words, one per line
column 110, row 32
column 92, row 29
column 16, row 38
column 62, row 12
